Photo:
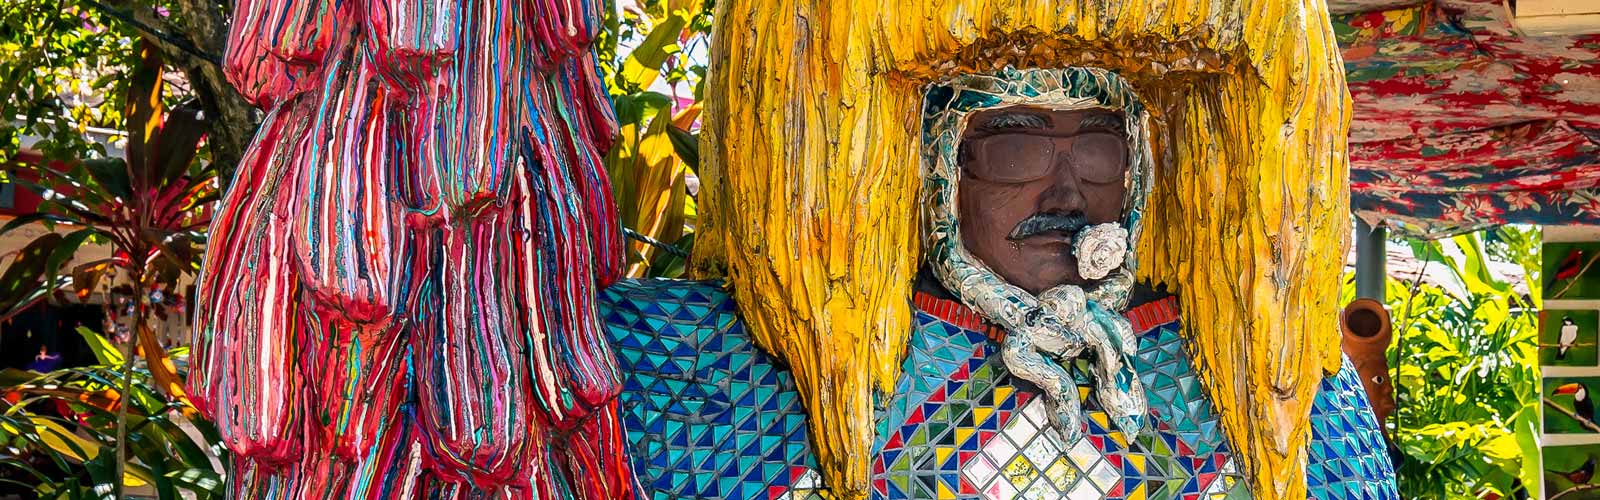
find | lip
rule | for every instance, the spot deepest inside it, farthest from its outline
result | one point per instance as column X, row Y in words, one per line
column 1050, row 238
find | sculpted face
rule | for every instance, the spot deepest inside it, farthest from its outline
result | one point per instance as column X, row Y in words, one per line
column 1031, row 178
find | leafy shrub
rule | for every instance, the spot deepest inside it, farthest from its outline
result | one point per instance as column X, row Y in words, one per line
column 1466, row 382
column 58, row 433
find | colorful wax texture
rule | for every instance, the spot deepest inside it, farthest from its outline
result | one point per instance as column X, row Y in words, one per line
column 399, row 294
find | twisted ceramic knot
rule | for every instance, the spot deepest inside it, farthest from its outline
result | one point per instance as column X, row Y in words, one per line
column 1063, row 325
column 1100, row 249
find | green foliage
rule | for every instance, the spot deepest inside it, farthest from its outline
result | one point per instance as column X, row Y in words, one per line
column 662, row 45
column 152, row 207
column 58, row 436
column 668, row 40
column 62, row 70
column 1467, row 377
column 73, row 65
column 67, row 66
column 104, row 351
column 77, row 67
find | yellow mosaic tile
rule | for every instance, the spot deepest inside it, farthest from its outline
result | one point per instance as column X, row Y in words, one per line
column 965, row 433
column 1137, row 493
column 1020, row 472
column 980, row 414
column 1061, row 474
column 1136, row 460
column 1002, row 392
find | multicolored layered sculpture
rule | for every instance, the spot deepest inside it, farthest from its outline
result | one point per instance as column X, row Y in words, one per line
column 1073, row 249
column 399, row 295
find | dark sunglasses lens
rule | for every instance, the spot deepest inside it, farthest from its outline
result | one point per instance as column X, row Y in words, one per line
column 1100, row 158
column 1013, row 158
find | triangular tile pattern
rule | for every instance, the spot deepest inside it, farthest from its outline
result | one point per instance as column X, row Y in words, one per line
column 709, row 415
column 1348, row 457
column 1027, row 459
column 1177, row 399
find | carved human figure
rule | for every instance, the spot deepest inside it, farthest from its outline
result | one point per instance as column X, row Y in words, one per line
column 1035, row 367
column 835, row 188
column 1032, row 178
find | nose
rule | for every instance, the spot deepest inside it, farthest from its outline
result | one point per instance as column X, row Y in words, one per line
column 1065, row 192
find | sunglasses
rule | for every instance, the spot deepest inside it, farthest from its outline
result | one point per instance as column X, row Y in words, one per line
column 1010, row 158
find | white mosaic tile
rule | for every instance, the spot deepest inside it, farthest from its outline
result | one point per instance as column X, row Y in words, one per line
column 1021, row 425
column 1084, row 490
column 1042, row 450
column 979, row 471
column 1041, row 490
column 1000, row 450
column 1217, row 489
column 811, row 479
column 1034, row 412
column 1105, row 475
column 1000, row 490
column 1083, row 454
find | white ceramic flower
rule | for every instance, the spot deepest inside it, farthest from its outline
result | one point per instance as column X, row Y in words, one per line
column 1100, row 249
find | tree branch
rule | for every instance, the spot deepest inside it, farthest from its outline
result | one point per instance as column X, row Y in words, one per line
column 205, row 22
column 1574, row 279
column 1586, row 423
column 162, row 35
column 1575, row 489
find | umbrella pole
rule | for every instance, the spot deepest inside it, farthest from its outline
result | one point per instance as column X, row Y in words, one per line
column 1371, row 254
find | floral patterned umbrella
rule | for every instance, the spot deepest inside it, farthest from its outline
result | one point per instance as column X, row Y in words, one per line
column 1463, row 122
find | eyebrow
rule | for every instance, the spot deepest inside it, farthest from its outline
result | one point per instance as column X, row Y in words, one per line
column 1016, row 120
column 1108, row 122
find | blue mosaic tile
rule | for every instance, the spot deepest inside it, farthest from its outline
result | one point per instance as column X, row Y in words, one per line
column 1347, row 443
column 709, row 415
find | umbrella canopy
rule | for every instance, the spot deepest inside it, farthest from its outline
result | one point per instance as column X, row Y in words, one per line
column 1462, row 121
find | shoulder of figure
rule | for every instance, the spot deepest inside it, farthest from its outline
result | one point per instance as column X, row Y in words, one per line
column 707, row 413
column 1347, row 451
column 654, row 304
column 656, row 289
column 653, row 323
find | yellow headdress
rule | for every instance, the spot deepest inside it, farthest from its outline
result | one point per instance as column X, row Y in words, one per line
column 813, row 179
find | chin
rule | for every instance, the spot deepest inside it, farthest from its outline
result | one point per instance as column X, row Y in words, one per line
column 1053, row 270
column 1036, row 282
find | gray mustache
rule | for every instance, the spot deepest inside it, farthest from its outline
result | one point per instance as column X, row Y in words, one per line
column 1046, row 223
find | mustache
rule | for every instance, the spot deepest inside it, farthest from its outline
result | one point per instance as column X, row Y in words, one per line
column 1038, row 224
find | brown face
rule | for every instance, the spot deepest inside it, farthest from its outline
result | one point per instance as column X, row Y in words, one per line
column 1031, row 178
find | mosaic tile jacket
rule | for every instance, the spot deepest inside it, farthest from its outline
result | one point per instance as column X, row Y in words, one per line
column 710, row 415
